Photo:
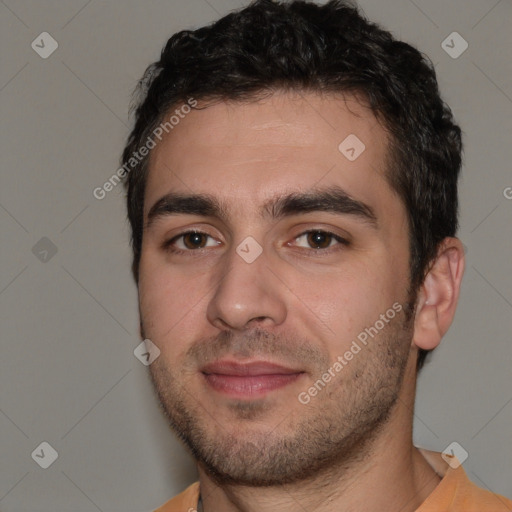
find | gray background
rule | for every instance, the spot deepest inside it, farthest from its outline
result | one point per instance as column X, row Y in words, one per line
column 68, row 375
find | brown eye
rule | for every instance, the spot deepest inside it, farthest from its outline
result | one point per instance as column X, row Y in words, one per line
column 319, row 239
column 194, row 240
column 189, row 242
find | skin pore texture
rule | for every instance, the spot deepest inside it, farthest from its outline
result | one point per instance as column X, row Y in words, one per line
column 322, row 278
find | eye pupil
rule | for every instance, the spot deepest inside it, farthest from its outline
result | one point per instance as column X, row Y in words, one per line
column 194, row 240
column 319, row 239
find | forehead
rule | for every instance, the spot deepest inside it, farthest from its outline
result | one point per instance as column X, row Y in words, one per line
column 246, row 153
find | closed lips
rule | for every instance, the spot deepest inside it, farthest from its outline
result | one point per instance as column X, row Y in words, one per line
column 247, row 369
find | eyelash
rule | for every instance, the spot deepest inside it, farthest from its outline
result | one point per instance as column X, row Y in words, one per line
column 168, row 245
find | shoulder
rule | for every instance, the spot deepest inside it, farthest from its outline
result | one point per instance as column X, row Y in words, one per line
column 183, row 502
column 457, row 493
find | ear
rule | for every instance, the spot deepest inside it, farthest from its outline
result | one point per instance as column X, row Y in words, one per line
column 439, row 294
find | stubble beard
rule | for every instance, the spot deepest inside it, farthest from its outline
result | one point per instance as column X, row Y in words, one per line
column 332, row 433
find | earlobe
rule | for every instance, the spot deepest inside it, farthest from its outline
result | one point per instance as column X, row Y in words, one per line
column 439, row 294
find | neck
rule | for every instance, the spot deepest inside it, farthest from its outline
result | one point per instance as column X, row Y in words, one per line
column 391, row 475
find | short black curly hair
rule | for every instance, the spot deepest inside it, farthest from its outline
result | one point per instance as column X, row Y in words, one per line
column 271, row 45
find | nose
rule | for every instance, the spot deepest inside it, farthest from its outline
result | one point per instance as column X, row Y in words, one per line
column 248, row 293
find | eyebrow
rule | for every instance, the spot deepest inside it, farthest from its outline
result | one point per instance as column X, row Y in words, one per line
column 332, row 200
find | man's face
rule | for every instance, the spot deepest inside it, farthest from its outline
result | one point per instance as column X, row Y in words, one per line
column 252, row 310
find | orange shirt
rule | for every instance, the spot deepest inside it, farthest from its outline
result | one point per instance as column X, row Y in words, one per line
column 184, row 502
column 455, row 493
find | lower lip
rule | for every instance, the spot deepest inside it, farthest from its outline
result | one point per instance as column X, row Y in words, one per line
column 249, row 386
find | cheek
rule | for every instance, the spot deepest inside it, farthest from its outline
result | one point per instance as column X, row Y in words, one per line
column 344, row 303
column 170, row 303
column 334, row 306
